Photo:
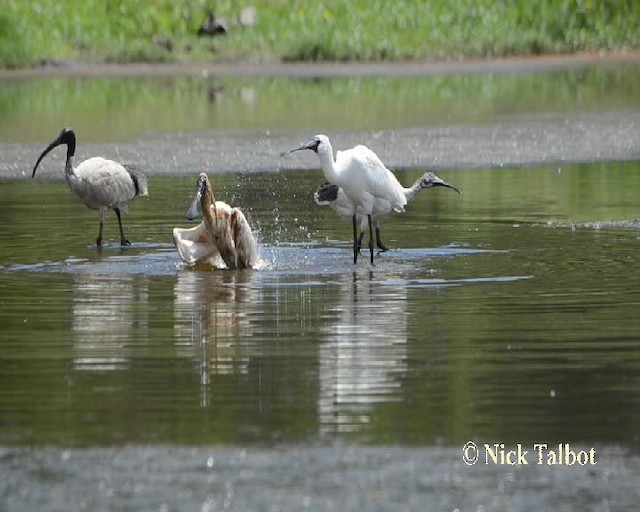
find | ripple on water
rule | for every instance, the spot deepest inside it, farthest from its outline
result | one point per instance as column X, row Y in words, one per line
column 402, row 266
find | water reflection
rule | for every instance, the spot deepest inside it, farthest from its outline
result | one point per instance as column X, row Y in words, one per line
column 363, row 355
column 106, row 312
column 121, row 344
column 130, row 106
column 211, row 315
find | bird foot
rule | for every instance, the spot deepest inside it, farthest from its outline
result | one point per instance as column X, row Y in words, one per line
column 124, row 242
column 383, row 248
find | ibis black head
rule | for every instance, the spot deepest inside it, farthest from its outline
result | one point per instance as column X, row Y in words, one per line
column 429, row 180
column 326, row 194
column 201, row 188
column 68, row 137
column 313, row 145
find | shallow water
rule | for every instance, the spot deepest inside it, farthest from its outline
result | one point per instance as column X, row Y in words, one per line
column 505, row 313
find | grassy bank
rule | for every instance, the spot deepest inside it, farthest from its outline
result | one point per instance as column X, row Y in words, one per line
column 165, row 30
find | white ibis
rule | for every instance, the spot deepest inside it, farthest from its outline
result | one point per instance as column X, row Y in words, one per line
column 101, row 184
column 335, row 197
column 223, row 236
column 363, row 178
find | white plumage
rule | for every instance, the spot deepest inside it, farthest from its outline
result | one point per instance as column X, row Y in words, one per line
column 363, row 178
column 101, row 184
column 223, row 238
column 336, row 198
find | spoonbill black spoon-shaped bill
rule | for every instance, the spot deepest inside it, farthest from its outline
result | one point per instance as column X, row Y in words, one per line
column 223, row 238
column 364, row 180
column 335, row 197
column 101, row 184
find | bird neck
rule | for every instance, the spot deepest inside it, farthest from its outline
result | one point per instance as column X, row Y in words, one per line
column 206, row 201
column 70, row 140
column 412, row 192
column 68, row 168
column 329, row 166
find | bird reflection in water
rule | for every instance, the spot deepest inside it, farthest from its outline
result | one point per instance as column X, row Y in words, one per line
column 364, row 352
column 106, row 312
column 211, row 317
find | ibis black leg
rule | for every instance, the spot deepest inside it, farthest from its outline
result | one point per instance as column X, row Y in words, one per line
column 381, row 246
column 123, row 240
column 99, row 239
column 360, row 238
column 370, row 238
column 356, row 249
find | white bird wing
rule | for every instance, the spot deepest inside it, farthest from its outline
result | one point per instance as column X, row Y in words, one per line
column 245, row 241
column 374, row 177
column 232, row 236
column 103, row 183
column 196, row 247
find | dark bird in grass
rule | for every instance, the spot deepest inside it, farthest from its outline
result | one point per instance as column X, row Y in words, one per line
column 212, row 26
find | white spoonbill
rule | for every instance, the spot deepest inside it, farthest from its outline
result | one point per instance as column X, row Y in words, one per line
column 363, row 178
column 334, row 196
column 223, row 236
column 101, row 184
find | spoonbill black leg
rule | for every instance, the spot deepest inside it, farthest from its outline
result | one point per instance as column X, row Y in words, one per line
column 356, row 247
column 123, row 240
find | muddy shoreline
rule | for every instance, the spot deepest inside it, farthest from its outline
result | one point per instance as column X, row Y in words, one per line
column 531, row 140
column 339, row 477
column 518, row 64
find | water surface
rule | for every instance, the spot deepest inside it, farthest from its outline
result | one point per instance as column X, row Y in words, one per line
column 506, row 313
column 116, row 109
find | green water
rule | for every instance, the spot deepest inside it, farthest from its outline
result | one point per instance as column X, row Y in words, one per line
column 113, row 109
column 508, row 313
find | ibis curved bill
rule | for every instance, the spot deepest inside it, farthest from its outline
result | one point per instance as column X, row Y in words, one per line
column 101, row 184
column 223, row 239
column 335, row 197
column 363, row 178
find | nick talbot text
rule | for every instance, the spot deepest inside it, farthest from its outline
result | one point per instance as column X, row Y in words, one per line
column 539, row 453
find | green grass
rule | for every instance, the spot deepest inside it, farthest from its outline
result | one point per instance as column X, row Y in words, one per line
column 127, row 30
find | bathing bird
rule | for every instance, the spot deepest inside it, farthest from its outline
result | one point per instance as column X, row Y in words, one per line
column 335, row 197
column 364, row 180
column 223, row 238
column 101, row 184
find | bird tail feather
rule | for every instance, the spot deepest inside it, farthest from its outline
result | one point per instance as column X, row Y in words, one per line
column 139, row 180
